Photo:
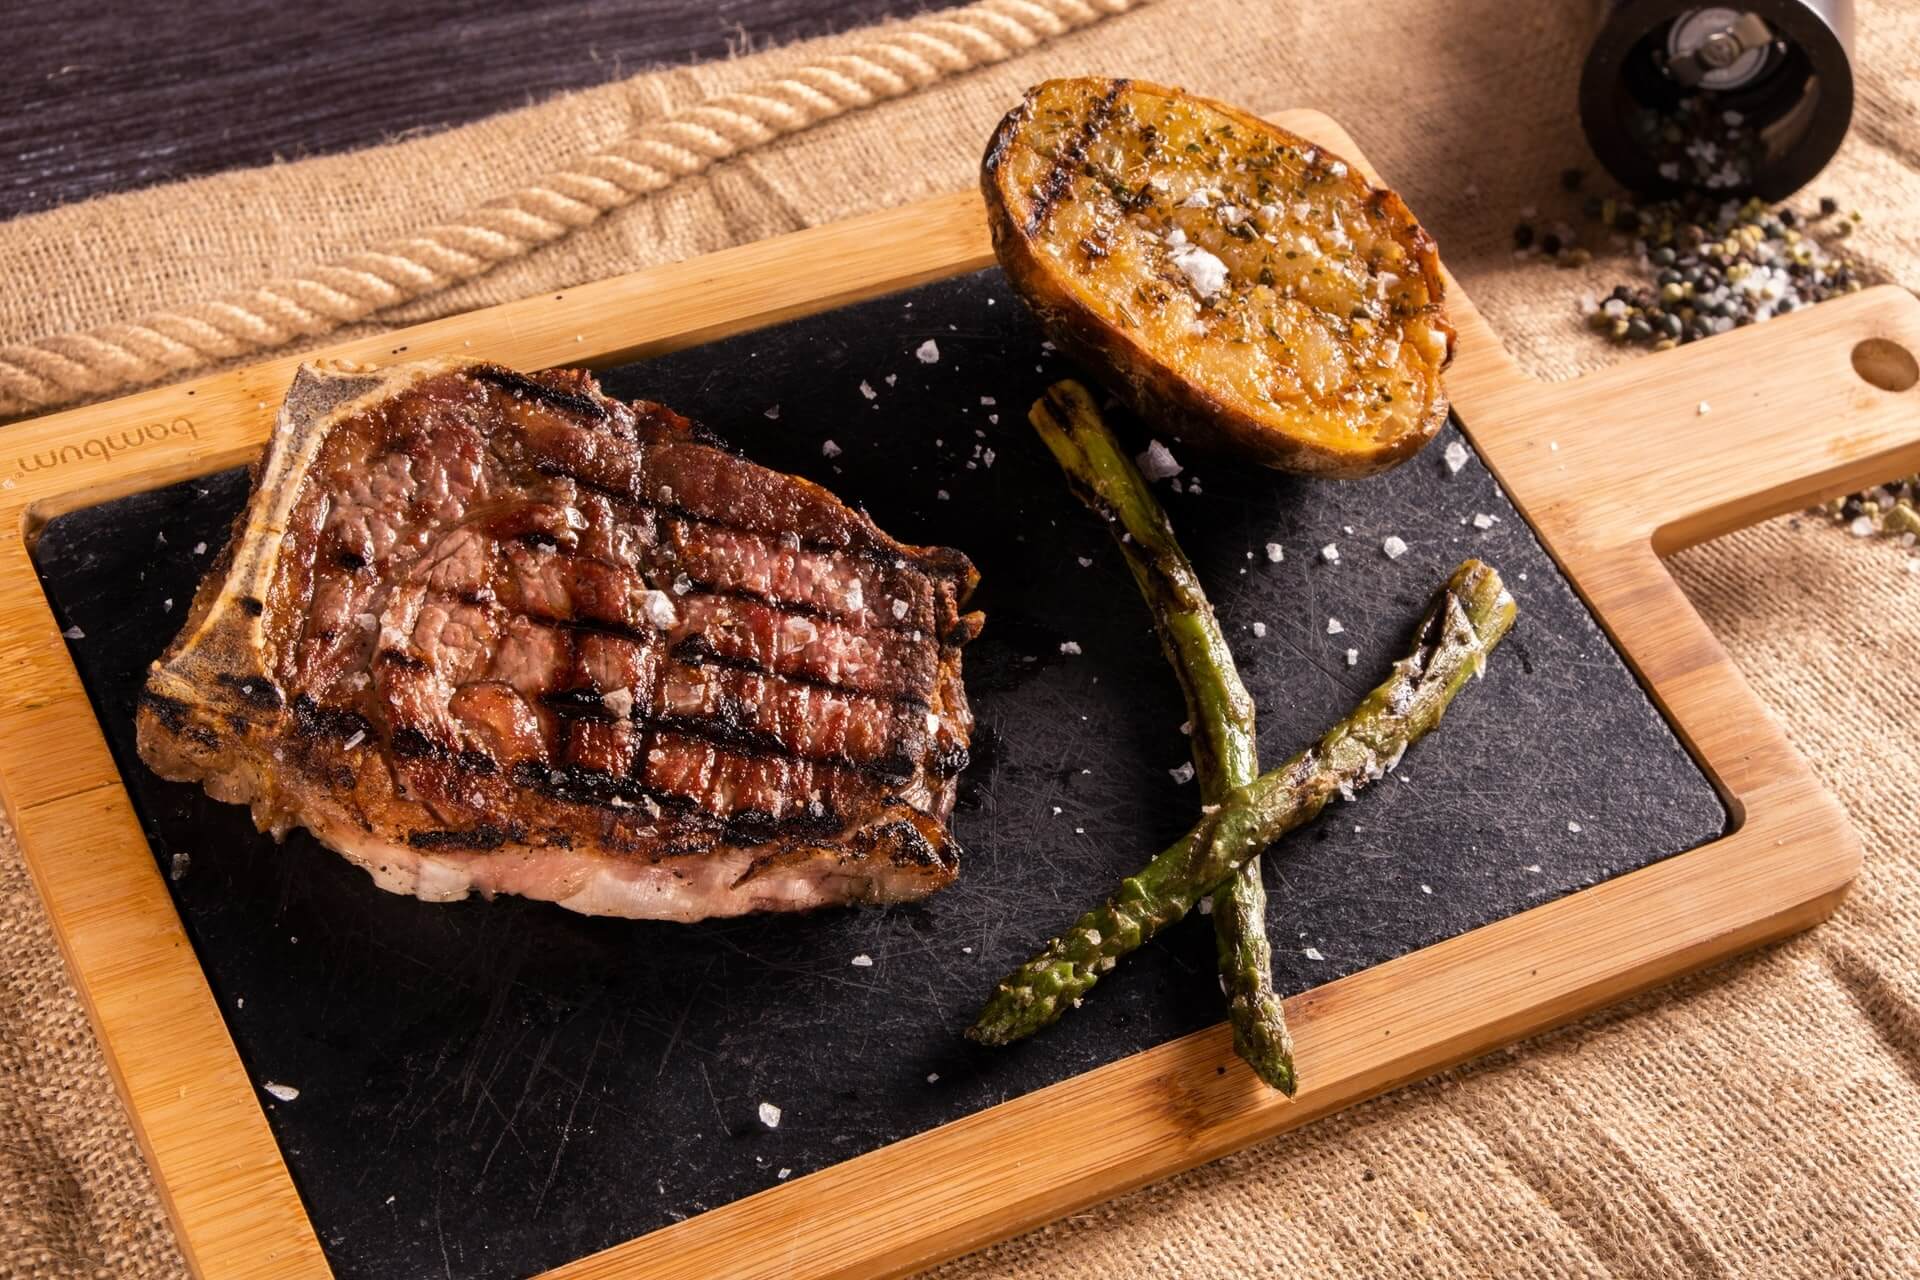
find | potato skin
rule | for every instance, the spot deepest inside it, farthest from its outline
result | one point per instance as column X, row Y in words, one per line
column 1136, row 371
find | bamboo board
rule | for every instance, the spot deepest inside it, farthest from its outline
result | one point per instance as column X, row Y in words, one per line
column 1798, row 413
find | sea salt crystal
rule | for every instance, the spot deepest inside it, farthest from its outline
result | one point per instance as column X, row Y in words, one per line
column 166, row 606
column 1260, row 630
column 1158, row 462
column 1395, row 546
column 1482, row 521
column 1862, row 527
column 942, row 495
column 784, row 1173
column 1533, row 868
column 900, row 608
column 658, row 606
column 892, row 378
column 1085, row 562
column 769, row 1115
column 829, row 449
column 866, row 389
column 1206, row 273
column 1070, row 647
column 863, row 961
column 928, row 352
column 74, row 633
column 1455, row 457
column 619, row 701
column 933, row 1077
column 1312, row 953
column 1353, row 657
column 359, row 736
column 199, row 548
column 284, row 1092
column 1703, row 408
column 773, row 412
column 1275, row 553
column 1330, row 553
column 1333, row 627
column 1574, row 827
column 1426, row 888
column 988, row 401
column 1183, row 774
column 177, row 868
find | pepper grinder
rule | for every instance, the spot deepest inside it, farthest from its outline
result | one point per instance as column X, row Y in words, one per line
column 1745, row 99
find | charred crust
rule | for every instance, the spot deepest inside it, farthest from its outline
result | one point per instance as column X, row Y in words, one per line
column 477, row 762
column 410, row 743
column 256, row 691
column 482, row 839
column 351, row 561
column 579, row 703
column 519, row 384
column 317, row 720
column 406, row 661
column 253, row 605
column 170, row 712
column 694, row 649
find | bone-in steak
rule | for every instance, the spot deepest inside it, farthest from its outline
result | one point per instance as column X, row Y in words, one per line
column 486, row 631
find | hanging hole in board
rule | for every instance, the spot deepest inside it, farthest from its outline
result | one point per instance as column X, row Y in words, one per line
column 1887, row 365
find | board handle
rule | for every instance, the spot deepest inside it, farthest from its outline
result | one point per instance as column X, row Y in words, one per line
column 1687, row 444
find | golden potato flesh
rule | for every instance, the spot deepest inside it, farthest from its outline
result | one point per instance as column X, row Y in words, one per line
column 1239, row 286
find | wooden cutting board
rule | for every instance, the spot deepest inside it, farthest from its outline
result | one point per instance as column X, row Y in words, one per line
column 1797, row 412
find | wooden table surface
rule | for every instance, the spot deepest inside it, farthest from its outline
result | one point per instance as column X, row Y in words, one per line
column 118, row 94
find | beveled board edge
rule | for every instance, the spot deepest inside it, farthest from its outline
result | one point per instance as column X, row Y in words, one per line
column 1047, row 1153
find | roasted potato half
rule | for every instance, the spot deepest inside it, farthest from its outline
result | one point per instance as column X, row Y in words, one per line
column 1241, row 288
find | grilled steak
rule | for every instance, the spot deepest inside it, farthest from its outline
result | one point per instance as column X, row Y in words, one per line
column 488, row 631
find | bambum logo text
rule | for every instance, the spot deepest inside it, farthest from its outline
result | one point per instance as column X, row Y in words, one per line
column 103, row 447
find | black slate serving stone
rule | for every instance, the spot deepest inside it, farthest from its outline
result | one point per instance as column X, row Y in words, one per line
column 490, row 1089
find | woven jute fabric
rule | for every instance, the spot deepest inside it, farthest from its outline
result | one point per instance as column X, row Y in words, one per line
column 1761, row 1118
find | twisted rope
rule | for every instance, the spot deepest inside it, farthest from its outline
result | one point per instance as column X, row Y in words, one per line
column 62, row 368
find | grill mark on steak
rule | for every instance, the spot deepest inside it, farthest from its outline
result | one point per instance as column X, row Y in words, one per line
column 517, row 637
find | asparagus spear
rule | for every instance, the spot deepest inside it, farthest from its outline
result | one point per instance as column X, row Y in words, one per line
column 1467, row 620
column 1219, row 709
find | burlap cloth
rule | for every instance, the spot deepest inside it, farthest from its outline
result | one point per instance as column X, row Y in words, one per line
column 1762, row 1118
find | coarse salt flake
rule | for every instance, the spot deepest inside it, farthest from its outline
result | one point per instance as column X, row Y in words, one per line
column 1333, row 627
column 928, row 352
column 74, row 633
column 619, row 701
column 1395, row 546
column 773, row 412
column 1183, row 774
column 1275, row 553
column 1482, row 520
column 199, row 548
column 1260, row 630
column 1574, row 827
column 1703, row 408
column 359, row 736
column 284, row 1092
column 866, row 389
column 1353, row 657
column 863, row 961
column 829, row 449
column 1206, row 273
column 769, row 1115
column 1456, row 456
column 1070, row 647
column 1158, row 462
column 900, row 608
column 1312, row 953
column 1330, row 553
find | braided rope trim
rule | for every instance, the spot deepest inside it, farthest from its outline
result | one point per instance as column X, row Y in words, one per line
column 62, row 368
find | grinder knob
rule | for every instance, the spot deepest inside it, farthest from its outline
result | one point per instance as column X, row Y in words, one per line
column 1746, row 99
